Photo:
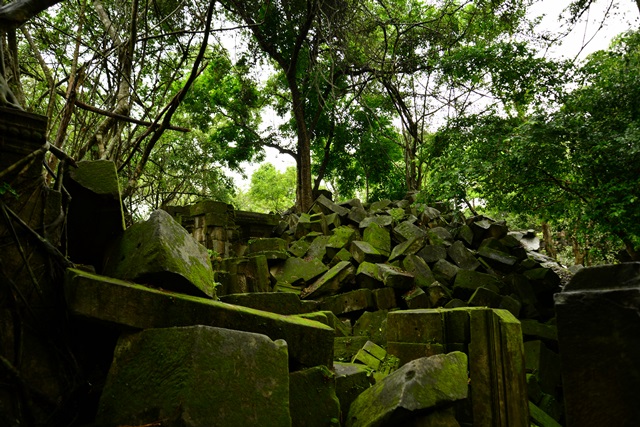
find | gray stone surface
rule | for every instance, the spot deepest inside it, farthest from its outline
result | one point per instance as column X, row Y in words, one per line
column 191, row 376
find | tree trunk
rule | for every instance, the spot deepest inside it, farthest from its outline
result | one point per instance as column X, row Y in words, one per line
column 548, row 241
column 303, row 184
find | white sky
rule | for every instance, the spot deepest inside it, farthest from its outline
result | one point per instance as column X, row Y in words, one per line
column 588, row 36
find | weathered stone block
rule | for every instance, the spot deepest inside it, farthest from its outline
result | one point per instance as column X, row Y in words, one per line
column 279, row 303
column 432, row 253
column 373, row 325
column 420, row 269
column 334, row 280
column 349, row 302
column 327, row 207
column 463, row 257
column 161, row 252
column 385, row 298
column 378, row 237
column 416, row 298
column 298, row 271
column 406, row 231
column 444, row 271
column 381, row 220
column 190, row 376
column 340, row 239
column 312, row 397
column 468, row 281
column 497, row 369
column 368, row 276
column 423, row 383
column 545, row 364
column 95, row 218
column 408, row 247
column 345, row 348
column 365, row 252
column 416, row 326
column 440, row 236
column 408, row 351
column 351, row 380
column 395, row 278
column 134, row 306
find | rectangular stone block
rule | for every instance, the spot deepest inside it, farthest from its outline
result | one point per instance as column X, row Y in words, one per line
column 136, row 306
column 408, row 351
column 416, row 326
column 190, row 376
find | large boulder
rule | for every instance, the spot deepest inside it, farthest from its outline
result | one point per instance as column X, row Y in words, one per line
column 421, row 384
column 160, row 252
column 197, row 376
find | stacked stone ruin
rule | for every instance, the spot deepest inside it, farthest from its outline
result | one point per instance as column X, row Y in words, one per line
column 393, row 313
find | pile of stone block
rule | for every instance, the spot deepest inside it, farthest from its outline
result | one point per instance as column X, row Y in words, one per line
column 366, row 263
column 354, row 315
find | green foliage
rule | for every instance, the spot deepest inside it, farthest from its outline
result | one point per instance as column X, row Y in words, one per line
column 271, row 190
column 579, row 165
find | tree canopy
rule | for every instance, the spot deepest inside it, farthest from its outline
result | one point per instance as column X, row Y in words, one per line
column 372, row 99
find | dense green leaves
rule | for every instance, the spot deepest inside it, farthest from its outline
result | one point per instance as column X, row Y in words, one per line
column 578, row 166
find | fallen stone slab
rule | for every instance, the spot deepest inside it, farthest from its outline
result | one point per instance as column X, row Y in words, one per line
column 349, row 302
column 190, row 376
column 365, row 252
column 285, row 303
column 298, row 271
column 331, row 282
column 127, row 304
column 423, row 383
column 162, row 253
column 378, row 237
column 395, row 278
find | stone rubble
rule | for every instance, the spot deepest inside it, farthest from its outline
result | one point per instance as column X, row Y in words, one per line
column 366, row 297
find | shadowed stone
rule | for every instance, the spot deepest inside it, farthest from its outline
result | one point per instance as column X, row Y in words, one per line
column 395, row 278
column 135, row 306
column 189, row 376
column 95, row 200
column 462, row 256
column 161, row 252
column 351, row 380
column 312, row 397
column 365, row 252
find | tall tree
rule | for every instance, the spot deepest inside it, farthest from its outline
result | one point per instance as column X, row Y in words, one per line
column 576, row 164
column 294, row 35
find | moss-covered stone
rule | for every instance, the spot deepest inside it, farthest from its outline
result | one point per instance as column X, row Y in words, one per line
column 444, row 271
column 189, row 376
column 162, row 253
column 368, row 276
column 298, row 271
column 345, row 348
column 351, row 380
column 462, row 256
column 468, row 281
column 408, row 351
column 432, row 253
column 331, row 282
column 396, row 278
column 135, row 306
column 439, row 236
column 408, row 247
column 420, row 384
column 273, row 302
column 420, row 269
column 340, row 239
column 407, row 230
column 365, row 252
column 349, row 302
column 373, row 325
column 378, row 237
column 417, row 326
